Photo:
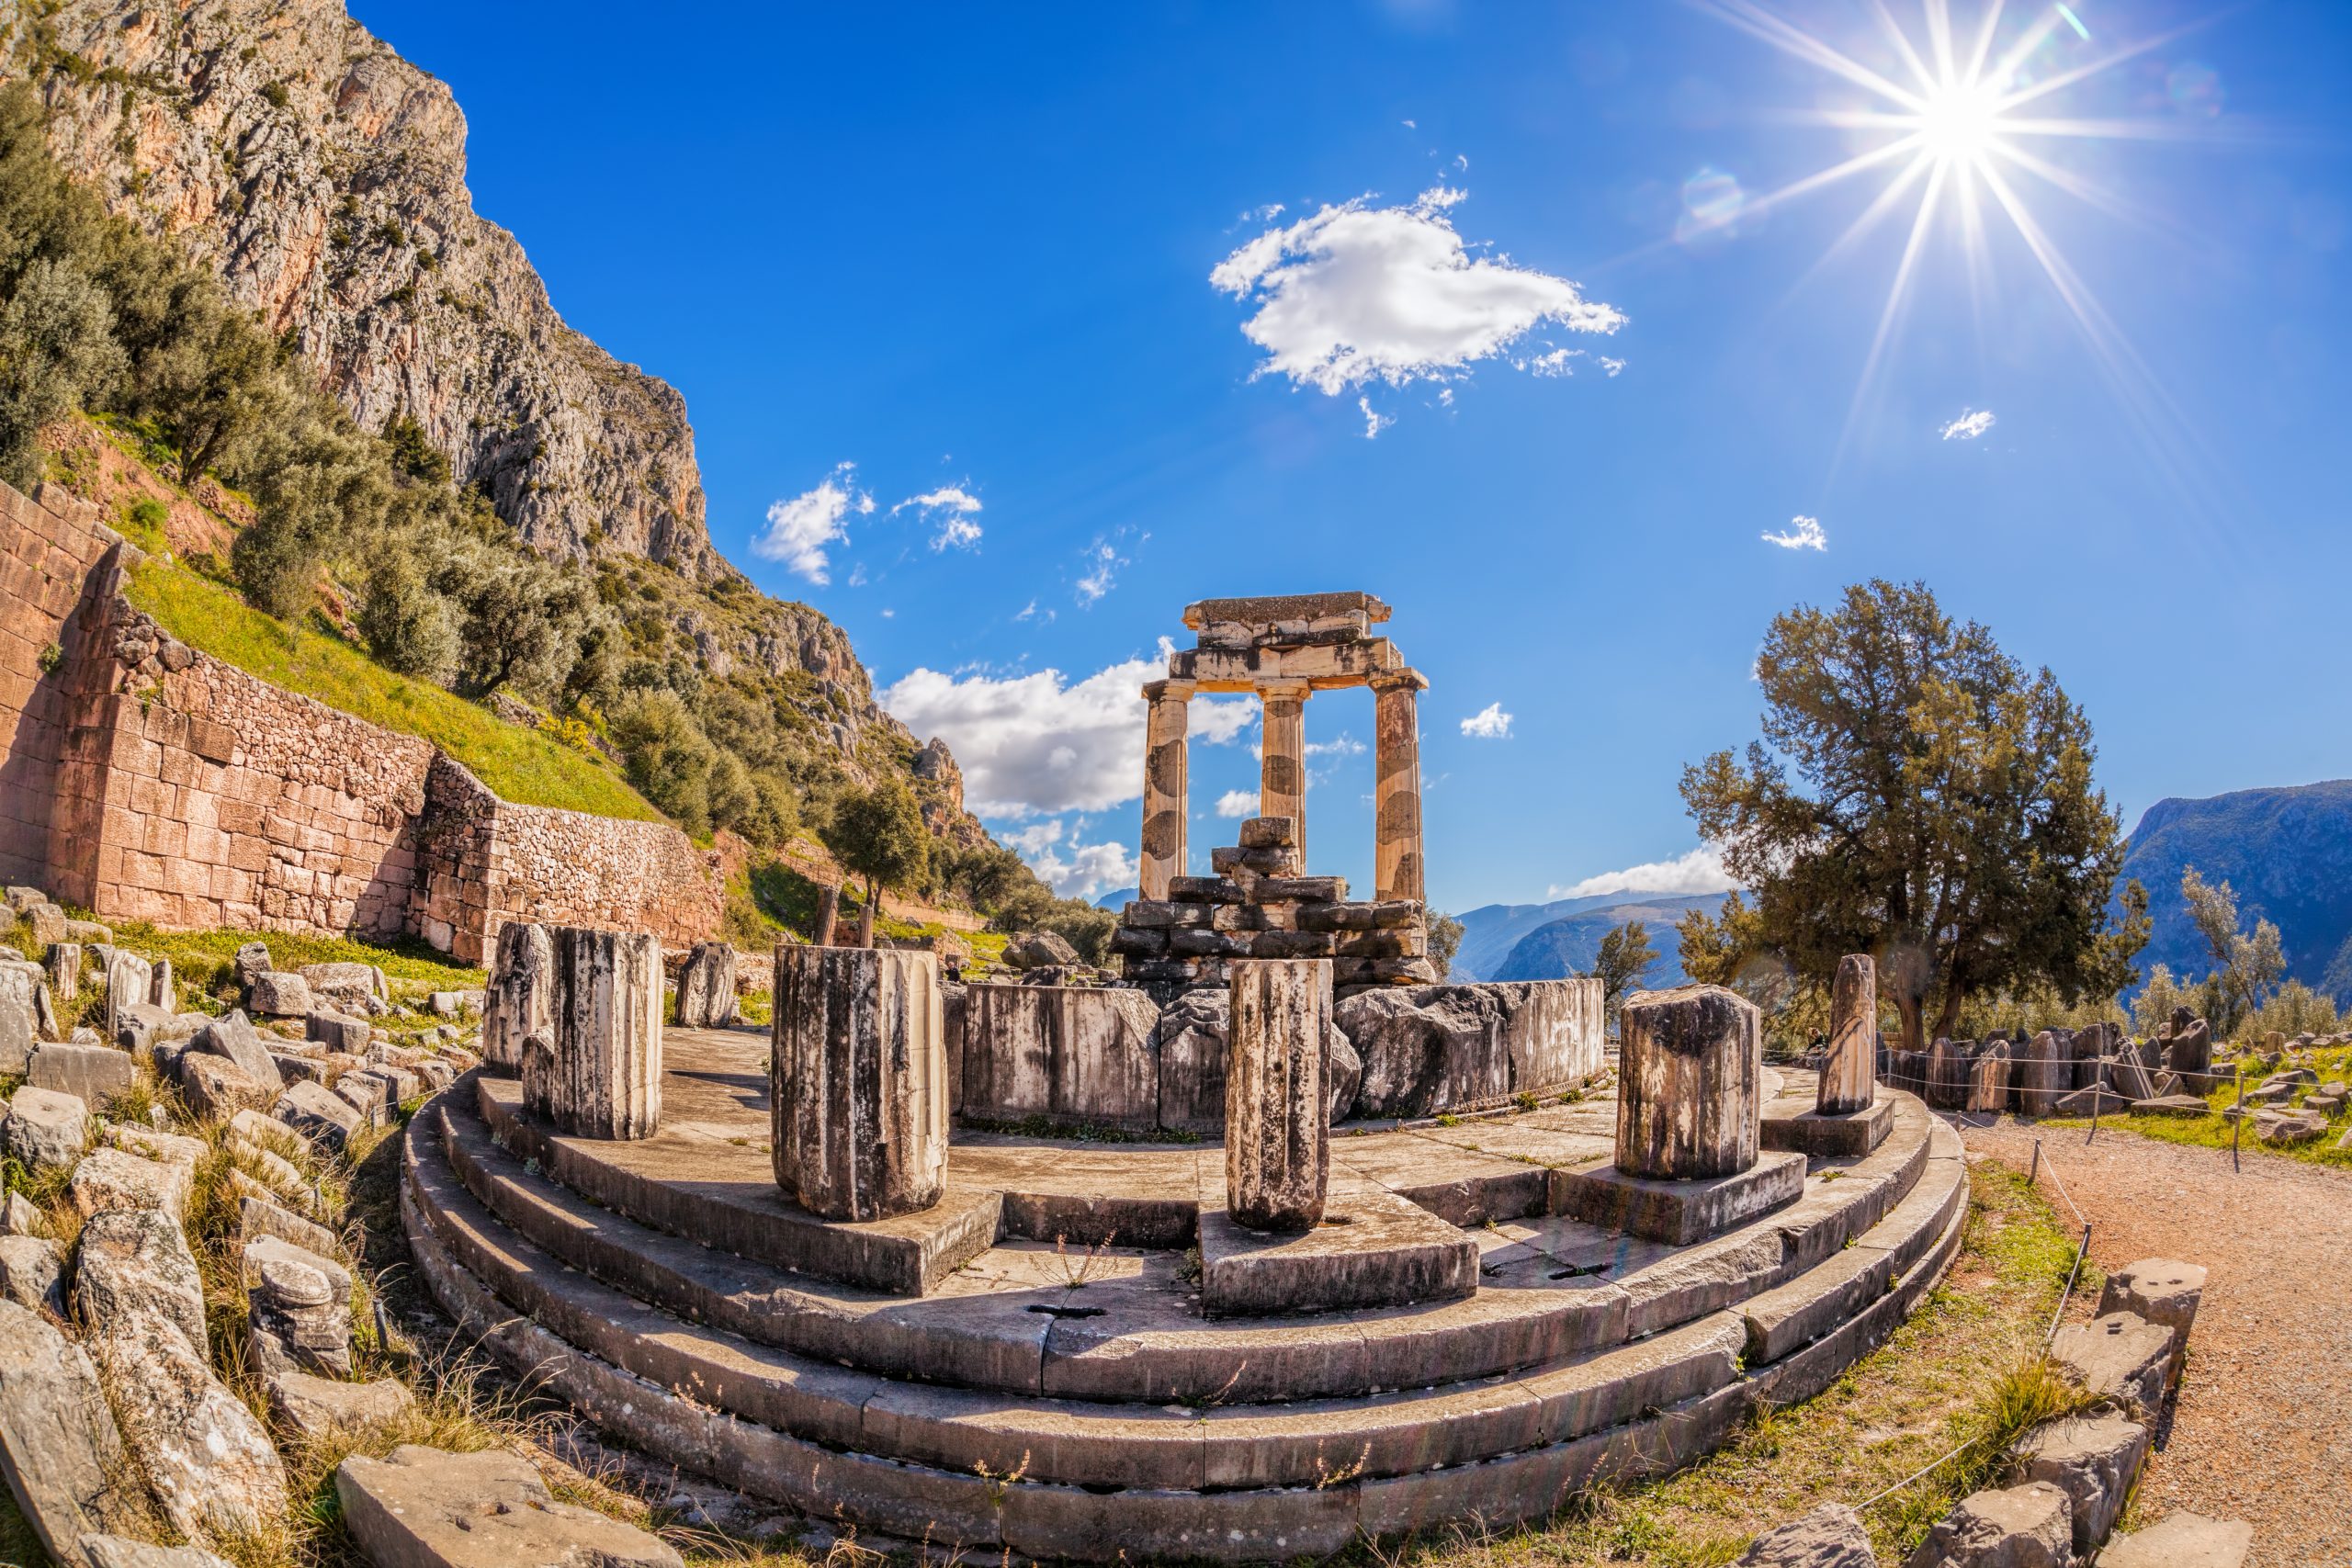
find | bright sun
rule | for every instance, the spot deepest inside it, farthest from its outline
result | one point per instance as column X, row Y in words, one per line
column 1959, row 120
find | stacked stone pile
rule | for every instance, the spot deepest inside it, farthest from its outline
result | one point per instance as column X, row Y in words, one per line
column 2066, row 1481
column 1258, row 906
column 112, row 1420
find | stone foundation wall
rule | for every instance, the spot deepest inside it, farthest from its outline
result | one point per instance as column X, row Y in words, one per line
column 147, row 780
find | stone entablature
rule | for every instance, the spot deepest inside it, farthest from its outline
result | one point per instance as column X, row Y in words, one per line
column 148, row 781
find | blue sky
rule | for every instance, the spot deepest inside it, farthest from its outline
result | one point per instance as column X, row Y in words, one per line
column 968, row 255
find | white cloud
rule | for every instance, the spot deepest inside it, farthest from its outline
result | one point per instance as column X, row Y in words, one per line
column 949, row 510
column 1031, row 745
column 1701, row 871
column 1358, row 293
column 1971, row 425
column 1558, row 362
column 1612, row 365
column 1103, row 563
column 799, row 529
column 1035, row 839
column 1373, row 424
column 1077, row 870
column 1489, row 723
column 1804, row 534
column 1236, row 803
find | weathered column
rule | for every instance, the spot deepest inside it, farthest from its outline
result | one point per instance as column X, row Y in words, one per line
column 1397, row 799
column 1947, row 1075
column 858, row 1080
column 1690, row 1080
column 600, row 1077
column 1165, row 765
column 1282, row 769
column 1847, row 1081
column 707, row 988
column 2041, row 1075
column 828, row 911
column 1988, row 1079
column 1277, row 1117
column 514, row 1005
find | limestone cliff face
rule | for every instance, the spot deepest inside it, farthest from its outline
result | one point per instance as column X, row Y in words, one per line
column 323, row 178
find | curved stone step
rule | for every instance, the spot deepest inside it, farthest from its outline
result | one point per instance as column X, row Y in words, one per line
column 1088, row 1444
column 1008, row 1508
column 1137, row 1336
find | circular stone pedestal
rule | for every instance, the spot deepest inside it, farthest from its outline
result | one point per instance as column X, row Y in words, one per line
column 1086, row 1316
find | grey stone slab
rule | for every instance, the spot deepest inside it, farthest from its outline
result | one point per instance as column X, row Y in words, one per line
column 2016, row 1527
column 1830, row 1134
column 1832, row 1536
column 1372, row 1249
column 92, row 1074
column 1681, row 1212
column 2094, row 1460
column 60, row 1449
column 2182, row 1541
column 424, row 1508
column 2119, row 1354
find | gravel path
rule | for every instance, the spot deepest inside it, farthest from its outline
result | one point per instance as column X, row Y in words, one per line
column 2263, row 1428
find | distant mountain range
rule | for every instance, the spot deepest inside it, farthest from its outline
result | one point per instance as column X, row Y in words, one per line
column 1552, row 942
column 2286, row 854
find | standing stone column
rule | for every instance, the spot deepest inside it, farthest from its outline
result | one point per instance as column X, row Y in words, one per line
column 1847, row 1080
column 707, row 988
column 1282, row 771
column 1277, row 1117
column 515, row 1004
column 2041, row 1075
column 858, row 1080
column 829, row 913
column 1691, row 1083
column 1396, row 800
column 600, row 1077
column 1165, row 765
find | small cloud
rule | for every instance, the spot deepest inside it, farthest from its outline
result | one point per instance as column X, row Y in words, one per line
column 1971, row 425
column 1701, row 871
column 1373, row 424
column 1612, row 365
column 1410, row 124
column 1489, row 723
column 1073, row 869
column 1234, row 803
column 1103, row 562
column 801, row 528
column 889, row 615
column 1462, row 162
column 949, row 510
column 1358, row 293
column 1804, row 534
column 1558, row 362
column 1030, row 612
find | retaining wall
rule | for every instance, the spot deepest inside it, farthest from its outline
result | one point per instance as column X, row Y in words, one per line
column 147, row 780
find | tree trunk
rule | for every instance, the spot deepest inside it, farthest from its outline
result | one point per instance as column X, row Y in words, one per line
column 866, row 916
column 1910, row 1006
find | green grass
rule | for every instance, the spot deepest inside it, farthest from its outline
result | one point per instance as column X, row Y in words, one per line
column 524, row 766
column 2215, row 1131
column 204, row 962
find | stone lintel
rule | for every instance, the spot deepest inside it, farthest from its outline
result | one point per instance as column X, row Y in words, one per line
column 1682, row 1213
column 1274, row 609
column 1156, row 690
column 1336, row 667
column 1403, row 678
column 1830, row 1134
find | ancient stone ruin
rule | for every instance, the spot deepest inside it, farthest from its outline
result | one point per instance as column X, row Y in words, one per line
column 1389, row 1251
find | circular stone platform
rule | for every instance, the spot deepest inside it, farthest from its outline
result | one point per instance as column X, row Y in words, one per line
column 1075, row 1359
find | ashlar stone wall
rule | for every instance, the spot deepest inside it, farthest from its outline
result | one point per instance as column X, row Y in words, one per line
column 148, row 781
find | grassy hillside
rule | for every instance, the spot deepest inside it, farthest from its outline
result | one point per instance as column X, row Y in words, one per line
column 527, row 767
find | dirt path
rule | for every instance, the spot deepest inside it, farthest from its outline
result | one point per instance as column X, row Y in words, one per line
column 2263, row 1428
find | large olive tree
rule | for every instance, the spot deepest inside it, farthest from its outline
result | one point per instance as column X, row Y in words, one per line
column 1918, row 795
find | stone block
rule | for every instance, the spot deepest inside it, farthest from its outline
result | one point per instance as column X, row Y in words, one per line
column 92, row 1074
column 1681, row 1211
column 131, row 979
column 1277, row 1113
column 707, row 988
column 424, row 1509
column 19, row 1016
column 2043, row 1073
column 301, row 1301
column 216, row 1088
column 339, row 1032
column 1073, row 1053
column 1988, row 1079
column 2022, row 1527
column 318, row 1408
column 516, row 1003
column 1830, row 1134
column 1371, row 1249
column 2119, row 1354
column 64, row 1457
column 1690, row 1068
column 2164, row 1290
column 233, row 1039
column 46, row 1129
column 858, row 1086
column 1832, row 1536
column 2094, row 1460
column 32, row 1273
column 112, row 1181
column 603, row 1067
column 317, row 1113
column 280, row 993
column 1848, row 1079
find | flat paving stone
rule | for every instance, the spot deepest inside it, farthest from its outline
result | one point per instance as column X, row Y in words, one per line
column 1373, row 1249
column 1684, row 1213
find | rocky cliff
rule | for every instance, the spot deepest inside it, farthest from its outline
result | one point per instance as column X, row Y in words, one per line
column 323, row 178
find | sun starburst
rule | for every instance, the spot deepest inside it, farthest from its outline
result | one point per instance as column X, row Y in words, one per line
column 1951, row 126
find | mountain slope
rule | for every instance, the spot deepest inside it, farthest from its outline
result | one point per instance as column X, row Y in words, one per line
column 1491, row 930
column 1567, row 946
column 2288, row 854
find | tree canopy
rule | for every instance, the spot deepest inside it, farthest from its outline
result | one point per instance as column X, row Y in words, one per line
column 878, row 834
column 1621, row 962
column 1918, row 795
